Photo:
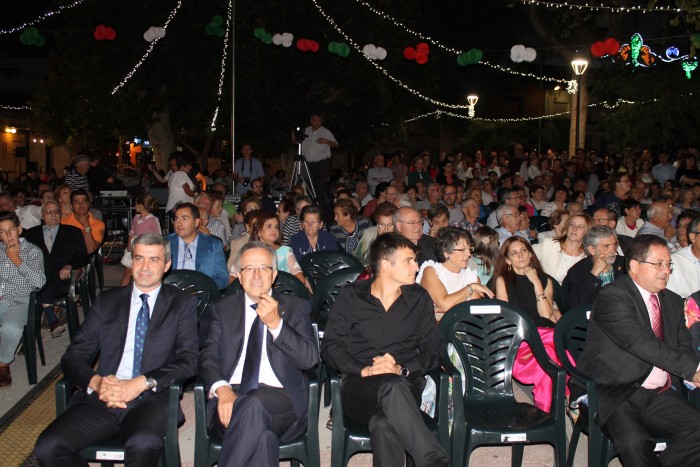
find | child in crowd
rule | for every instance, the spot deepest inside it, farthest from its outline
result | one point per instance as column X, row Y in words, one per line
column 144, row 222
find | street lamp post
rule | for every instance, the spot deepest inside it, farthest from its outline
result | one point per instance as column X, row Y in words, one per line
column 579, row 65
column 472, row 99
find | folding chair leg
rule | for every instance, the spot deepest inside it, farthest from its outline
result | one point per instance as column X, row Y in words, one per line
column 517, row 455
column 29, row 355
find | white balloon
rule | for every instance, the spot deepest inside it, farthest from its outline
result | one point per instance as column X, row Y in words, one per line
column 287, row 43
column 381, row 53
column 277, row 39
column 150, row 34
column 517, row 53
column 287, row 37
column 160, row 32
column 530, row 54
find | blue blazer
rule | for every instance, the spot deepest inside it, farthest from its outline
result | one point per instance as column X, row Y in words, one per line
column 210, row 259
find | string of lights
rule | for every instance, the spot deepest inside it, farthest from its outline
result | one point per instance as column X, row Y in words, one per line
column 386, row 73
column 41, row 18
column 482, row 62
column 610, row 105
column 224, row 55
column 148, row 51
column 601, row 6
column 14, row 107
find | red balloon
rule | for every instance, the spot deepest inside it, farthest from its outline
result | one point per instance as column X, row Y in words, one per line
column 110, row 34
column 99, row 33
column 313, row 46
column 302, row 45
column 421, row 58
column 422, row 48
column 598, row 49
column 409, row 53
column 612, row 47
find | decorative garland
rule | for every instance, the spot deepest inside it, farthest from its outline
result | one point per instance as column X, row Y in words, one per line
column 224, row 55
column 41, row 18
column 601, row 6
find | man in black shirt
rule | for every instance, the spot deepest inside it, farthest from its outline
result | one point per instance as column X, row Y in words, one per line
column 381, row 335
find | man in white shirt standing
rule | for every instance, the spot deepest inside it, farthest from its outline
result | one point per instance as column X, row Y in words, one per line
column 685, row 279
column 257, row 346
column 378, row 173
column 316, row 149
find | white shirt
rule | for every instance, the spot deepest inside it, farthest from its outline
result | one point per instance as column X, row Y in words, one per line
column 375, row 176
column 657, row 378
column 267, row 374
column 126, row 365
column 311, row 149
column 685, row 279
column 29, row 216
column 176, row 194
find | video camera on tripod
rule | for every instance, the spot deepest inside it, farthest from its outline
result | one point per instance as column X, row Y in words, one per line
column 300, row 172
column 299, row 136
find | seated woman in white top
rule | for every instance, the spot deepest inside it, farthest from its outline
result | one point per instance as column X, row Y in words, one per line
column 558, row 254
column 631, row 221
column 450, row 281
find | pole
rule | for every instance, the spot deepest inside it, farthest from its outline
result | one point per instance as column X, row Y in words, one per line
column 233, row 91
column 578, row 113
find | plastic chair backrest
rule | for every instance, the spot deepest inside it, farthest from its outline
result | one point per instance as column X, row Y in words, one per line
column 195, row 283
column 326, row 293
column 320, row 264
column 486, row 335
column 570, row 335
column 539, row 223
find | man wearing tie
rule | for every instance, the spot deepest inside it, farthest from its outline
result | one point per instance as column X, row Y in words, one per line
column 256, row 347
column 639, row 353
column 146, row 336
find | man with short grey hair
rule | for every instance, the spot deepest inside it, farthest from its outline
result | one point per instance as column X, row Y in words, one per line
column 256, row 348
column 408, row 223
column 509, row 218
column 601, row 266
column 659, row 215
column 77, row 178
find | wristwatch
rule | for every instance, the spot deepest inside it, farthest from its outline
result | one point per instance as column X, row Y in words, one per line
column 88, row 229
column 404, row 371
column 151, row 383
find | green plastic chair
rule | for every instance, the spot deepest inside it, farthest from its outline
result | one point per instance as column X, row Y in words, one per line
column 198, row 284
column 488, row 414
column 350, row 438
column 31, row 338
column 304, row 448
column 320, row 264
column 115, row 448
column 561, row 298
column 285, row 283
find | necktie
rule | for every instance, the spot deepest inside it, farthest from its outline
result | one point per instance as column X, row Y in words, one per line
column 251, row 366
column 140, row 335
column 657, row 325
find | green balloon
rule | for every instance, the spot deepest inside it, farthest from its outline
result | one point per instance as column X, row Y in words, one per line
column 217, row 20
column 259, row 33
column 24, row 40
column 462, row 59
column 332, row 47
column 267, row 38
column 32, row 33
column 40, row 41
column 219, row 31
column 209, row 29
column 344, row 50
column 478, row 55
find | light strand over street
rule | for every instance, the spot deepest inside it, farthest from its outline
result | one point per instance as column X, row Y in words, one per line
column 41, row 18
column 224, row 55
column 148, row 51
column 601, row 6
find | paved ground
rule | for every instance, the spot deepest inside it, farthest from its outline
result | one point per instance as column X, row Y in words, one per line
column 539, row 455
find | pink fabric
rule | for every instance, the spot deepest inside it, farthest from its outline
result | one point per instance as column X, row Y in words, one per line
column 528, row 371
column 141, row 225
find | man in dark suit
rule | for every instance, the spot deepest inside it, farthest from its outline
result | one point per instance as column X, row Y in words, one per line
column 639, row 353
column 194, row 250
column 64, row 250
column 256, row 346
column 601, row 267
column 146, row 335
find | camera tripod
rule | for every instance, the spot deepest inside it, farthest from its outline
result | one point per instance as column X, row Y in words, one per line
column 301, row 175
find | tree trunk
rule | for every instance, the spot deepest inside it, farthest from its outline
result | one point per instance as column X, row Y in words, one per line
column 162, row 139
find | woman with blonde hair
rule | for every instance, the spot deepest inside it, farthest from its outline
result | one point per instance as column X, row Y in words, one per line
column 558, row 254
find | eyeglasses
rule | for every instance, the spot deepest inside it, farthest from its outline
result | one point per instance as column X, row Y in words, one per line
column 250, row 270
column 469, row 249
column 600, row 220
column 515, row 197
column 52, row 211
column 412, row 223
column 386, row 226
column 659, row 265
column 449, row 193
column 188, row 252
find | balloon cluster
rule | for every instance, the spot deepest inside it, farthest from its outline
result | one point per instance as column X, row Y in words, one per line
column 154, row 33
column 103, row 32
column 31, row 36
column 419, row 54
column 520, row 53
column 216, row 27
column 471, row 57
column 264, row 36
column 339, row 48
column 285, row 39
column 307, row 45
column 609, row 46
column 373, row 52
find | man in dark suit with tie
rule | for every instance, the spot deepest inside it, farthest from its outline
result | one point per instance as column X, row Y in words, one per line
column 194, row 250
column 600, row 267
column 146, row 335
column 64, row 250
column 639, row 353
column 255, row 349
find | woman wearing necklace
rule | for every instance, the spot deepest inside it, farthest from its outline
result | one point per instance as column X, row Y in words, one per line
column 311, row 238
column 557, row 255
column 62, row 195
column 349, row 228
